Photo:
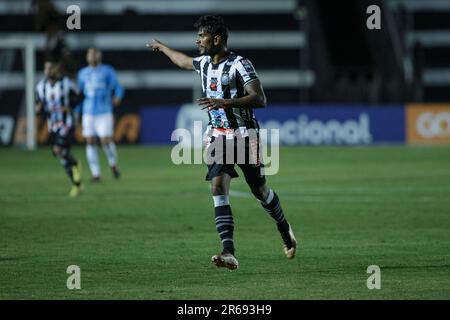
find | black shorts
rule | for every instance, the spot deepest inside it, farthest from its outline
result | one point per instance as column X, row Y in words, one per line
column 244, row 152
column 62, row 138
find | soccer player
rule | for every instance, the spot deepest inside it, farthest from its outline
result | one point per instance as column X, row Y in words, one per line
column 101, row 89
column 53, row 95
column 231, row 89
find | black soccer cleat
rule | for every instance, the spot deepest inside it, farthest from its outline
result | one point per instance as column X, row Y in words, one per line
column 96, row 179
column 116, row 172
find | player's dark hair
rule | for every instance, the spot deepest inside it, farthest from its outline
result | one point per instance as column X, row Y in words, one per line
column 51, row 58
column 214, row 25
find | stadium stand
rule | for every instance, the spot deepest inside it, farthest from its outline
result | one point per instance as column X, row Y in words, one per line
column 305, row 51
column 424, row 24
column 429, row 35
column 151, row 79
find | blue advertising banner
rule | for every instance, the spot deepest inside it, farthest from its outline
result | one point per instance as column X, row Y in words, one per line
column 158, row 123
column 335, row 124
column 298, row 124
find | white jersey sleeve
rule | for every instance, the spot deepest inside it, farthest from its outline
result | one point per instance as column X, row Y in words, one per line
column 246, row 71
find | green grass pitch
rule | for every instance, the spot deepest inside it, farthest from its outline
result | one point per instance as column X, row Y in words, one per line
column 151, row 235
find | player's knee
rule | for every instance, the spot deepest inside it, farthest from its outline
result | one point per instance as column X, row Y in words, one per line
column 106, row 140
column 220, row 185
column 56, row 151
column 218, row 189
column 64, row 152
column 90, row 140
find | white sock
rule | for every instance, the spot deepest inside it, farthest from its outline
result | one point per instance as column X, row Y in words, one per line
column 92, row 158
column 111, row 153
column 221, row 201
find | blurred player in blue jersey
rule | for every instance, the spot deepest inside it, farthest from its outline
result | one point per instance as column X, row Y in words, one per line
column 54, row 98
column 101, row 89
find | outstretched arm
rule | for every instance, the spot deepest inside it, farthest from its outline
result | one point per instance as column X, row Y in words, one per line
column 180, row 59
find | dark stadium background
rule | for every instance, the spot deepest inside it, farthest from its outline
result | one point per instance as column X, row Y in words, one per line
column 322, row 52
column 364, row 119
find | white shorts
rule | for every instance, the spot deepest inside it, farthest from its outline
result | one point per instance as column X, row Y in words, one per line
column 100, row 125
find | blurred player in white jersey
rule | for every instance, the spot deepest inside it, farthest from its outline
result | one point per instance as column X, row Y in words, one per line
column 53, row 98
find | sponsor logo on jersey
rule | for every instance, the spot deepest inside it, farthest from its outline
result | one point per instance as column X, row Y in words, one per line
column 213, row 84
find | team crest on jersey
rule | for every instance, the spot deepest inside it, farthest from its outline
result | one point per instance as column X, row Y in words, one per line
column 213, row 84
column 225, row 80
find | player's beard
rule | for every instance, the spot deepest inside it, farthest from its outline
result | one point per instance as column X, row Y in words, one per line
column 213, row 50
column 203, row 50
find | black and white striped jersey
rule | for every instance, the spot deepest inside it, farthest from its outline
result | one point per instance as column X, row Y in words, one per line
column 227, row 80
column 55, row 100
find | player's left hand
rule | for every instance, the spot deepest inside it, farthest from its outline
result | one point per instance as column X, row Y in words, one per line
column 116, row 101
column 38, row 108
column 211, row 104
